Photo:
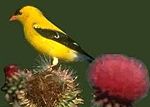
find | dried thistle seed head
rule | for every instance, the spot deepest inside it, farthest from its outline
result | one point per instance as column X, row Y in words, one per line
column 41, row 87
column 49, row 87
column 53, row 88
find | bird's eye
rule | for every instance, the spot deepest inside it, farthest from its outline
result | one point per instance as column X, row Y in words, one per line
column 18, row 12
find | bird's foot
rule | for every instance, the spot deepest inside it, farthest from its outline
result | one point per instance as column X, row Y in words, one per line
column 53, row 67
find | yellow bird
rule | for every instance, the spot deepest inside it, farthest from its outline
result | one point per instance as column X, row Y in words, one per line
column 47, row 38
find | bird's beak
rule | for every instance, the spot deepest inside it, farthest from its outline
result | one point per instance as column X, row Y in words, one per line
column 13, row 18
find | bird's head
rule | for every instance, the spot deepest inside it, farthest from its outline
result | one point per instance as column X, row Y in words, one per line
column 24, row 13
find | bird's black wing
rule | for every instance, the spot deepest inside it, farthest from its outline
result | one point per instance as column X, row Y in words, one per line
column 63, row 39
column 60, row 38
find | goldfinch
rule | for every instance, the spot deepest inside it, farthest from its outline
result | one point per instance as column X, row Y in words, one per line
column 47, row 38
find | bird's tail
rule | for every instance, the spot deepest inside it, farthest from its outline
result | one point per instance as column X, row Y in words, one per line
column 89, row 58
column 85, row 56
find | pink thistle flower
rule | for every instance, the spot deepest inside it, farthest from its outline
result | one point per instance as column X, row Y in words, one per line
column 118, row 80
column 11, row 70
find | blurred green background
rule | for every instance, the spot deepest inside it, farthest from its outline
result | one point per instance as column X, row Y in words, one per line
column 99, row 26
